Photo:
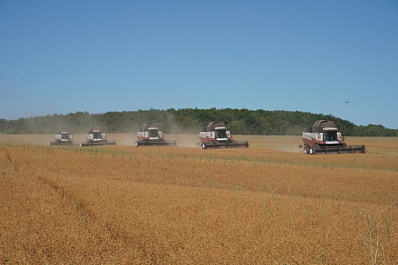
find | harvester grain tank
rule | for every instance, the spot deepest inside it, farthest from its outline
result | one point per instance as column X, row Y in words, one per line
column 324, row 137
column 62, row 137
column 96, row 136
column 216, row 135
column 151, row 135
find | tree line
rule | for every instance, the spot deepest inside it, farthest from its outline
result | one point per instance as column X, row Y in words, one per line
column 189, row 120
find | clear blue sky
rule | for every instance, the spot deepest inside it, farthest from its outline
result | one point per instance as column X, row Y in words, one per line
column 99, row 56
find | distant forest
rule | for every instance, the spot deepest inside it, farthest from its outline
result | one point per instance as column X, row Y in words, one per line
column 239, row 121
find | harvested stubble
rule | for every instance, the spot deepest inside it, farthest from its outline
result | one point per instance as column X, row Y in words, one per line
column 179, row 205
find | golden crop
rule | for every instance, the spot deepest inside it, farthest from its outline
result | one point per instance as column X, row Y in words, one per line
column 163, row 205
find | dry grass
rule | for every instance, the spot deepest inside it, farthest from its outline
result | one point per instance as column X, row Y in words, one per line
column 123, row 205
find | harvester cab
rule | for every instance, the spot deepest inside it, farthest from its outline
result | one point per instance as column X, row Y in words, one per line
column 62, row 137
column 151, row 135
column 221, row 134
column 96, row 137
column 324, row 137
column 216, row 135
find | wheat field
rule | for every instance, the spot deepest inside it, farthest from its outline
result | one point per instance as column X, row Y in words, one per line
column 268, row 204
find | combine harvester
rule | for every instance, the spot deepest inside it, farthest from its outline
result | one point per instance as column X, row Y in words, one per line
column 151, row 135
column 96, row 137
column 63, row 137
column 324, row 137
column 215, row 135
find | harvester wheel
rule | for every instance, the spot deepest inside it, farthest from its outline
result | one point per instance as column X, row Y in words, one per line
column 311, row 151
column 306, row 149
column 203, row 146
